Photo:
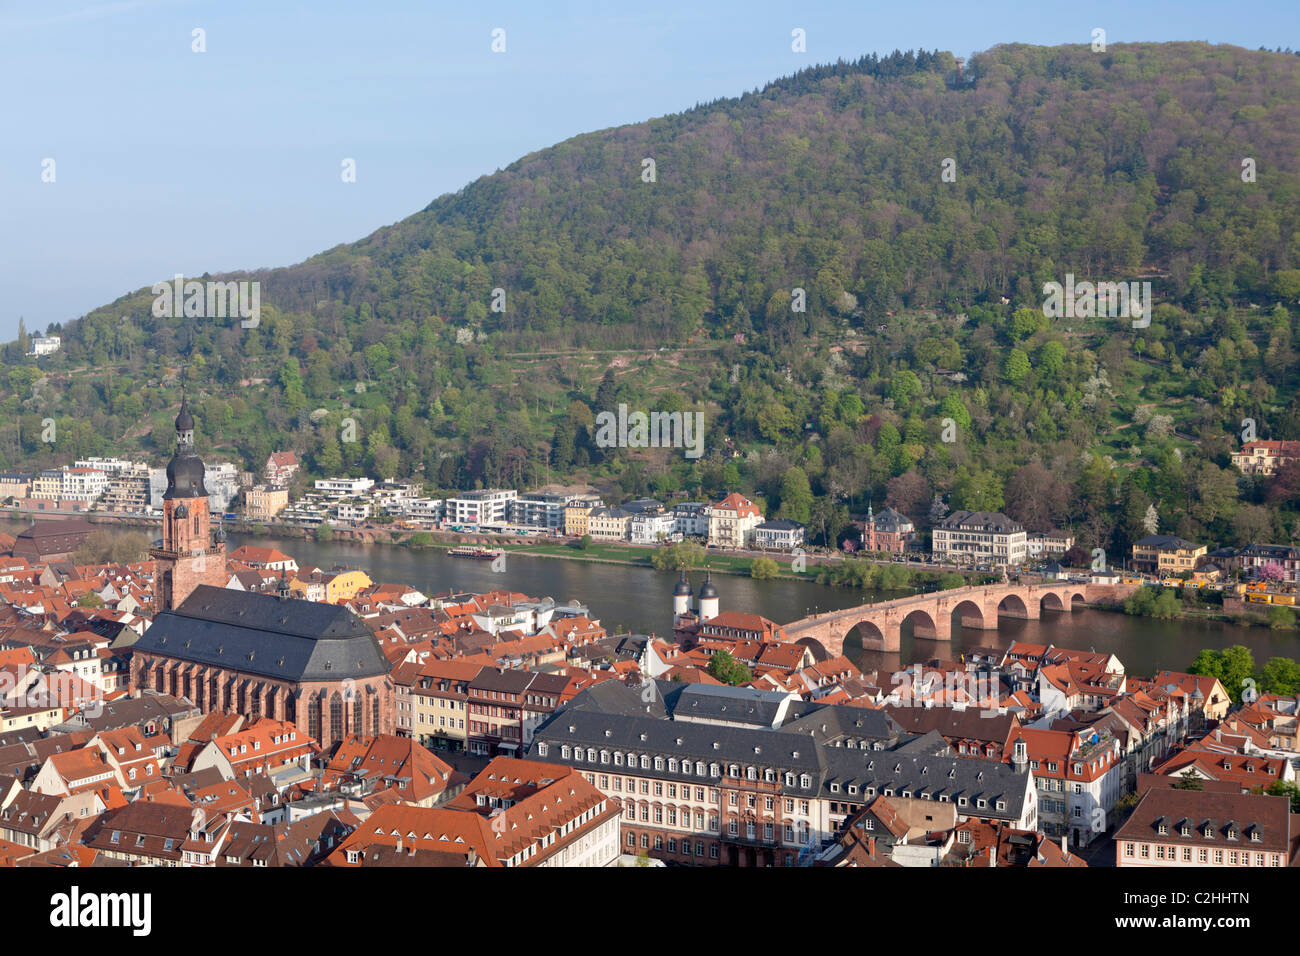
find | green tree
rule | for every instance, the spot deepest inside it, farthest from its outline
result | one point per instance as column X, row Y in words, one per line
column 796, row 496
column 904, row 388
column 1024, row 323
column 1285, row 788
column 1188, row 780
column 1280, row 675
column 724, row 667
column 680, row 556
column 1234, row 667
column 1017, row 367
column 763, row 569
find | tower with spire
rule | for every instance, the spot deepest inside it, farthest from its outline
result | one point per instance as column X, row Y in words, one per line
column 189, row 554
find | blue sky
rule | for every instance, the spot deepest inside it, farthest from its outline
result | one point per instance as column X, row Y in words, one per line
column 167, row 160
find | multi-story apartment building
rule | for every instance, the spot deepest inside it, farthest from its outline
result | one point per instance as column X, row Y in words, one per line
column 732, row 522
column 1172, row 827
column 431, row 510
column 344, row 486
column 113, row 466
column 539, row 509
column 222, row 480
column 83, row 484
column 1079, row 776
column 393, row 496
column 779, row 535
column 691, row 519
column 353, row 509
column 652, row 527
column 1287, row 557
column 1042, row 543
column 609, row 524
column 48, row 484
column 44, row 345
column 506, row 706
column 433, row 702
column 128, row 491
column 264, row 502
column 14, row 484
column 1265, row 457
column 281, row 467
column 476, row 508
column 979, row 537
column 889, row 532
column 576, row 511
column 1166, row 554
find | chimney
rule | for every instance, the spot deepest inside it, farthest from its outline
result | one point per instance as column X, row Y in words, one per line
column 871, row 846
column 399, row 843
column 1065, row 846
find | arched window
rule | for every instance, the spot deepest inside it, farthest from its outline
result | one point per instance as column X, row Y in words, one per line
column 336, row 717
column 374, row 715
column 313, row 716
column 358, row 711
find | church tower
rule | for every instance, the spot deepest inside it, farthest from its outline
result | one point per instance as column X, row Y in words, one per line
column 189, row 556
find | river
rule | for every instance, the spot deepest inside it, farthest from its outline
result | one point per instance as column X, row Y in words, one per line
column 625, row 597
column 629, row 598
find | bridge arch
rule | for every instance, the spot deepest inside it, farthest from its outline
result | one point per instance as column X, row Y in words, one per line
column 1051, row 601
column 1013, row 605
column 923, row 623
column 864, row 636
column 969, row 614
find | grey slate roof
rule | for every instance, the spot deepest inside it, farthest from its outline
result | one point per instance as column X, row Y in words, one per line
column 734, row 704
column 828, row 722
column 923, row 775
column 988, row 521
column 261, row 634
column 810, row 745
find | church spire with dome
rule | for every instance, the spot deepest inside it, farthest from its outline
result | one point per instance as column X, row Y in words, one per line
column 189, row 555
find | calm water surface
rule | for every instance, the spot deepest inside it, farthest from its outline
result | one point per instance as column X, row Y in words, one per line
column 639, row 599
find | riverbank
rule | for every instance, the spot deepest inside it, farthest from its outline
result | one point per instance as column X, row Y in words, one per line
column 737, row 564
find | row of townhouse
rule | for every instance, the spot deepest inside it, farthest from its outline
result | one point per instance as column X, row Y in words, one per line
column 459, row 705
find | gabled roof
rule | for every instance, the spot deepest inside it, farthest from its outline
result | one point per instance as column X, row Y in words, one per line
column 260, row 634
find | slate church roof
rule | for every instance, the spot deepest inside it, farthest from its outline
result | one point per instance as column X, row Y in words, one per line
column 281, row 638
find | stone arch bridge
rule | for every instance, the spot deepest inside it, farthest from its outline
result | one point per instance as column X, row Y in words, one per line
column 932, row 614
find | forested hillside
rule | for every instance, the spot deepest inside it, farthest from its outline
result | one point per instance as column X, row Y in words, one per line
column 923, row 303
